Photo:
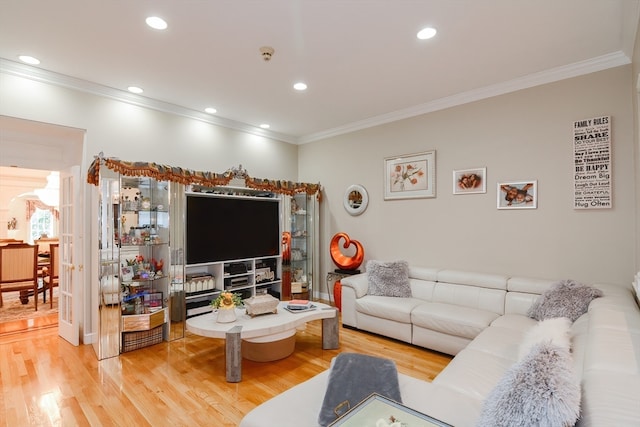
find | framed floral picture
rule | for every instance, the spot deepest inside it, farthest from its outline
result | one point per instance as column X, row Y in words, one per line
column 469, row 181
column 518, row 195
column 410, row 176
column 127, row 272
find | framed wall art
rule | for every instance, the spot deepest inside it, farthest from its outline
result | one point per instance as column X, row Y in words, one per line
column 518, row 195
column 469, row 181
column 410, row 176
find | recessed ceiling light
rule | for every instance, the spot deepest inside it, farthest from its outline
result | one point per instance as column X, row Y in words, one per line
column 265, row 126
column 300, row 86
column 426, row 33
column 134, row 89
column 210, row 110
column 29, row 59
column 156, row 23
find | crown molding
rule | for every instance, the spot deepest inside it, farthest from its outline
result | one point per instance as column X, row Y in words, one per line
column 600, row 63
column 576, row 69
column 50, row 77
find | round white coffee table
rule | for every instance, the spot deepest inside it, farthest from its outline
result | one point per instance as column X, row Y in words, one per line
column 272, row 336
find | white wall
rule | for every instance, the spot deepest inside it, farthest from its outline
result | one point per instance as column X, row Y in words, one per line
column 525, row 135
column 636, row 137
column 140, row 134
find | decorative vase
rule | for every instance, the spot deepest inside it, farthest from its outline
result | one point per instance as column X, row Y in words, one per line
column 226, row 315
column 337, row 294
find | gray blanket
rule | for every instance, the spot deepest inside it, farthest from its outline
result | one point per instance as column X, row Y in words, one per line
column 352, row 379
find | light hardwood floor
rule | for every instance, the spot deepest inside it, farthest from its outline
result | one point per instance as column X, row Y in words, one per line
column 45, row 381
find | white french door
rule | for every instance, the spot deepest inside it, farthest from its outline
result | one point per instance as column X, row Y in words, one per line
column 71, row 255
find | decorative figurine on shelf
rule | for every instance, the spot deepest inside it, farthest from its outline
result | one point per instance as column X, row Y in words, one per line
column 346, row 264
column 226, row 303
column 157, row 266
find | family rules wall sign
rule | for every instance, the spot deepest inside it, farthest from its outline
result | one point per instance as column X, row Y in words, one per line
column 592, row 163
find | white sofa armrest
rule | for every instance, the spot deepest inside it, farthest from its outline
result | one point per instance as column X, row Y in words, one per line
column 353, row 287
column 358, row 282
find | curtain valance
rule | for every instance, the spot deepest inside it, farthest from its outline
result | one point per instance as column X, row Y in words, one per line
column 33, row 204
column 188, row 176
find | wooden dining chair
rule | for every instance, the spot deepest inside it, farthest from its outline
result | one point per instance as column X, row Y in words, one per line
column 10, row 241
column 44, row 244
column 51, row 272
column 19, row 269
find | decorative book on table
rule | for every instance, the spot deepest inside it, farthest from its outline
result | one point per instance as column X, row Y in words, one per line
column 297, row 305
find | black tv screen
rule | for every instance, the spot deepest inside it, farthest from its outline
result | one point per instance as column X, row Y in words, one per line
column 231, row 228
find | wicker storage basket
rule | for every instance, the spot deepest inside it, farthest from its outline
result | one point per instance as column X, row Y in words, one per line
column 136, row 340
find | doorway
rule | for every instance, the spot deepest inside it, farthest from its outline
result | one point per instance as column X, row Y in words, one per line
column 41, row 147
column 27, row 216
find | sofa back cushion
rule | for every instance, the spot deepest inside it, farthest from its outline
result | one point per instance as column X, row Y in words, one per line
column 422, row 282
column 470, row 296
column 424, row 273
column 523, row 292
column 422, row 289
column 474, row 290
column 483, row 280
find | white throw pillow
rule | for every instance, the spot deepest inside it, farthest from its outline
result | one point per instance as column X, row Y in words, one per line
column 555, row 331
column 538, row 391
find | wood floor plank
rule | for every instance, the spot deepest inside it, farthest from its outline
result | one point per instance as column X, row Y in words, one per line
column 45, row 381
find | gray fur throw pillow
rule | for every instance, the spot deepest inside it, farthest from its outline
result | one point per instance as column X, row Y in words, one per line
column 389, row 279
column 564, row 299
column 539, row 391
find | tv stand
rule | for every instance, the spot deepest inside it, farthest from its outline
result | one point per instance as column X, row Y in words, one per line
column 247, row 276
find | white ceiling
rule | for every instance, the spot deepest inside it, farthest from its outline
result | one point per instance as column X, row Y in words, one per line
column 361, row 58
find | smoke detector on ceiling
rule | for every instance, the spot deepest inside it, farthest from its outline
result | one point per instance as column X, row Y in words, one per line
column 266, row 52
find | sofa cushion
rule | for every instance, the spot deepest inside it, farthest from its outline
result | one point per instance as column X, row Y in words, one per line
column 499, row 341
column 471, row 296
column 610, row 399
column 482, row 280
column 529, row 285
column 439, row 402
column 452, row 319
column 389, row 279
column 519, row 322
column 537, row 391
column 397, row 309
column 564, row 299
column 555, row 331
column 352, row 379
column 519, row 302
column 473, row 372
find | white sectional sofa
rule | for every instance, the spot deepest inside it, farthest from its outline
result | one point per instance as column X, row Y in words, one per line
column 482, row 320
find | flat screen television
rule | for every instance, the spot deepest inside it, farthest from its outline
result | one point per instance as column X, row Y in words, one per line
column 231, row 228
